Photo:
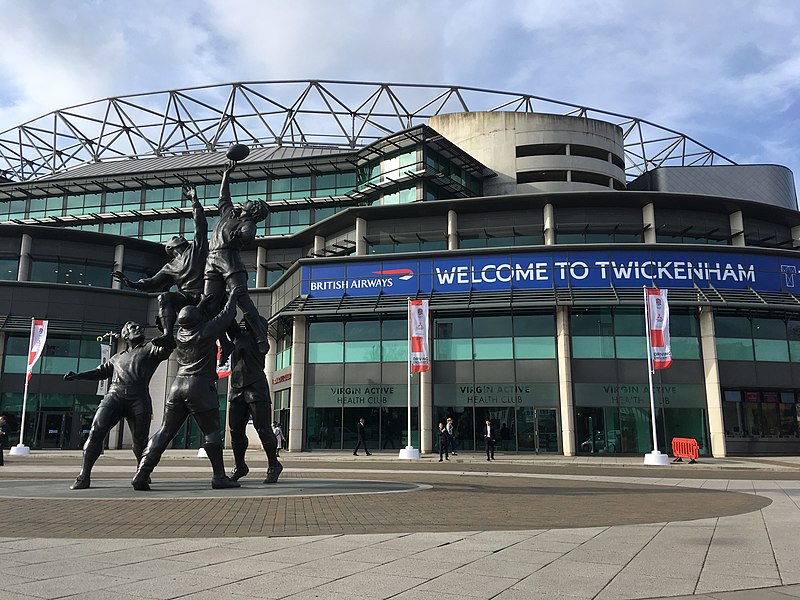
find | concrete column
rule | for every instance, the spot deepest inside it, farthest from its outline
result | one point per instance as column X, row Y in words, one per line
column 737, row 228
column 649, row 223
column 549, row 225
column 261, row 269
column 567, row 402
column 425, row 413
column 297, row 393
column 716, row 423
column 452, row 230
column 361, row 235
column 119, row 265
column 24, row 271
column 319, row 245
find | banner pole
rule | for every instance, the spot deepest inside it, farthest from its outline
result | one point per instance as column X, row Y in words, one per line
column 410, row 375
column 21, row 448
column 409, row 452
column 655, row 457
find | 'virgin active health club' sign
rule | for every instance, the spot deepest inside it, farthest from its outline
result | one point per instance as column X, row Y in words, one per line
column 547, row 269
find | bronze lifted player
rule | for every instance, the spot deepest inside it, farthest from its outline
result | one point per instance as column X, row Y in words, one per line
column 250, row 398
column 193, row 391
column 185, row 271
column 224, row 268
column 128, row 396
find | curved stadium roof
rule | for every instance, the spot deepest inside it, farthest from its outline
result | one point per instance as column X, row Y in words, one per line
column 291, row 113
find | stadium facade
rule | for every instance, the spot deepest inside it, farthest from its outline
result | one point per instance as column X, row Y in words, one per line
column 532, row 232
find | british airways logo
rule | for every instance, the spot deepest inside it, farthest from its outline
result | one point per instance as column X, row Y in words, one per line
column 383, row 279
column 403, row 274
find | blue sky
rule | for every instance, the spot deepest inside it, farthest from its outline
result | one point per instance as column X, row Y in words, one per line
column 725, row 72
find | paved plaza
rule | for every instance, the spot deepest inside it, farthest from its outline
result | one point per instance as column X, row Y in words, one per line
column 337, row 527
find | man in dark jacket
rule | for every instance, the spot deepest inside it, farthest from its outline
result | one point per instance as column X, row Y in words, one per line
column 250, row 398
column 362, row 438
column 128, row 396
column 185, row 270
column 489, row 438
column 444, row 442
column 193, row 391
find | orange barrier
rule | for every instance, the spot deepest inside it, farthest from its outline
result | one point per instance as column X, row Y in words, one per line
column 685, row 448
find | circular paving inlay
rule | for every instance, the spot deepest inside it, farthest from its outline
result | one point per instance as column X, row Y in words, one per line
column 185, row 489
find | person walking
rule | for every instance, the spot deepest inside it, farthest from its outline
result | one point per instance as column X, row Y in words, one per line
column 278, row 431
column 362, row 438
column 444, row 442
column 451, row 435
column 489, row 438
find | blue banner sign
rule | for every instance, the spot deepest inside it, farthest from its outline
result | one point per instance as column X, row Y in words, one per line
column 554, row 269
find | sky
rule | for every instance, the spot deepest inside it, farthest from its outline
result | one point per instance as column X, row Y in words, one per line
column 724, row 72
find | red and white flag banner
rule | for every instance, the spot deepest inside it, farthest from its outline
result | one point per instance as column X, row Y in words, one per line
column 223, row 370
column 420, row 358
column 658, row 316
column 36, row 345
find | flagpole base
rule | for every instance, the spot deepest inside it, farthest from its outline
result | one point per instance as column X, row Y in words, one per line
column 409, row 453
column 201, row 453
column 656, row 458
column 20, row 450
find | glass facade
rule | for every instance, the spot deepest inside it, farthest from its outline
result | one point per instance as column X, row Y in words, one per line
column 500, row 367
column 374, row 387
column 611, row 388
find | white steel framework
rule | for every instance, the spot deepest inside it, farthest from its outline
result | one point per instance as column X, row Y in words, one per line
column 293, row 113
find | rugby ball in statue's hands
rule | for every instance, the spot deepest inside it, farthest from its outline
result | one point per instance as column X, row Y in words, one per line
column 237, row 152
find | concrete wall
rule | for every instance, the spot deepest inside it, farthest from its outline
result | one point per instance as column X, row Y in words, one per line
column 492, row 138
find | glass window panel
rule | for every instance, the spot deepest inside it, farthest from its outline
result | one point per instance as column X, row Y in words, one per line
column 629, row 322
column 534, row 325
column 453, row 327
column 771, row 350
column 631, row 346
column 408, row 195
column 493, row 348
column 325, row 352
column 9, row 268
column 327, row 181
column 114, row 199
column 794, row 350
column 395, row 350
column 130, row 229
column 452, row 349
column 281, row 184
column 499, row 242
column 395, row 329
column 772, row 329
column 362, row 351
column 731, row 326
column 534, row 347
column 362, row 330
column 499, row 326
column 590, row 322
column 592, row 347
column 683, row 325
column 325, row 332
column 734, row 348
column 685, row 347
column 429, row 246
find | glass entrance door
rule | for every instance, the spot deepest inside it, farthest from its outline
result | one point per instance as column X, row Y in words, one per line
column 54, row 431
column 546, row 429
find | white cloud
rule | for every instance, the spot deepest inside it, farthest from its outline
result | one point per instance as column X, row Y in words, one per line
column 704, row 68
